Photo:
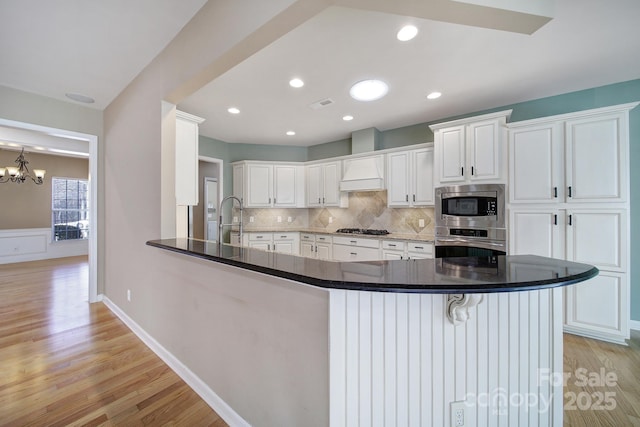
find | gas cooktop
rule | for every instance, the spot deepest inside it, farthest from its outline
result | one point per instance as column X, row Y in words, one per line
column 362, row 231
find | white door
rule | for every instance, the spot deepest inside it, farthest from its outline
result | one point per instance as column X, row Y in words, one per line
column 331, row 175
column 451, row 154
column 595, row 159
column 259, row 185
column 284, row 185
column 314, row 185
column 536, row 164
column 484, row 150
column 398, row 179
column 537, row 232
column 422, row 167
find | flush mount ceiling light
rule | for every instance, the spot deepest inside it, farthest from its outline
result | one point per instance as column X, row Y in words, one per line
column 290, row 133
column 20, row 173
column 406, row 33
column 347, row 118
column 233, row 110
column 80, row 98
column 296, row 83
column 369, row 90
column 434, row 95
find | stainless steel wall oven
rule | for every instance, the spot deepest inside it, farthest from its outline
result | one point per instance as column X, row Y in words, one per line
column 470, row 221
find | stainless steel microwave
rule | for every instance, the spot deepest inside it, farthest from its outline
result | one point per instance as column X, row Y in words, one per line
column 474, row 205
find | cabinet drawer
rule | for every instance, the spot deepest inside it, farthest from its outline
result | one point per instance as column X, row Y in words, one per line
column 284, row 236
column 351, row 253
column 306, row 237
column 259, row 236
column 356, row 241
column 425, row 248
column 394, row 245
column 323, row 239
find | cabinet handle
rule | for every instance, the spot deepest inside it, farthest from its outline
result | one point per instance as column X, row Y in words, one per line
column 259, row 237
column 353, row 253
column 353, row 241
column 570, row 192
column 316, row 248
column 393, row 246
column 318, row 200
column 570, row 220
column 419, row 247
column 555, row 192
column 471, row 170
column 406, row 197
column 321, row 238
column 555, row 219
column 323, row 200
column 268, row 247
column 283, row 237
column 414, row 197
column 462, row 171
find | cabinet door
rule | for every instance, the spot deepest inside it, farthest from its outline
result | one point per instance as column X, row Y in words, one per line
column 259, row 184
column 599, row 307
column 307, row 249
column 596, row 159
column 324, row 251
column 536, row 164
column 331, row 175
column 398, row 179
column 238, row 181
column 314, row 185
column 392, row 255
column 537, row 232
column 286, row 247
column 451, row 154
column 483, row 144
column 264, row 246
column 422, row 169
column 284, row 185
column 596, row 237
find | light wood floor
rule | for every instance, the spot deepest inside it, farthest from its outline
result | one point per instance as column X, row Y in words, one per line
column 64, row 362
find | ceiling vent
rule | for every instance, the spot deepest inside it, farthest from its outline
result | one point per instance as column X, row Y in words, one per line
column 322, row 103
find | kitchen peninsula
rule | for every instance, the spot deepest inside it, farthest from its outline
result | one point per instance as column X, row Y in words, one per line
column 405, row 338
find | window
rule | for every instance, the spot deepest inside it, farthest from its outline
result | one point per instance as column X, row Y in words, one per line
column 70, row 208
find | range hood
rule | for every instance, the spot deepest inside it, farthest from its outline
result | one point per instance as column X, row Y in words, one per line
column 363, row 173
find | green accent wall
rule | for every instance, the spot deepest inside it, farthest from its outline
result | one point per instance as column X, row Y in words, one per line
column 619, row 93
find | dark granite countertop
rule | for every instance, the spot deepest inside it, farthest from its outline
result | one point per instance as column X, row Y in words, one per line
column 440, row 275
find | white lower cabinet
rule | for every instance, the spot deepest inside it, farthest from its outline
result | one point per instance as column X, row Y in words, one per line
column 287, row 243
column 355, row 249
column 316, row 246
column 398, row 249
column 599, row 307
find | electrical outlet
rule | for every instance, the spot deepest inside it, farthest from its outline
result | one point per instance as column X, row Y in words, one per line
column 289, row 219
column 235, row 219
column 129, row 295
column 330, row 219
column 251, row 219
column 458, row 415
column 279, row 219
column 421, row 222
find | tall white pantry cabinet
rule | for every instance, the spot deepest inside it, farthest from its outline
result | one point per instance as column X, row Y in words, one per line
column 569, row 199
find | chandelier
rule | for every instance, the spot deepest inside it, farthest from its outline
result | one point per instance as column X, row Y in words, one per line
column 20, row 173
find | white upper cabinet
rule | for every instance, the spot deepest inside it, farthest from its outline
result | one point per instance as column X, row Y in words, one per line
column 410, row 178
column 238, row 181
column 186, row 158
column 595, row 159
column 471, row 150
column 323, row 180
column 572, row 158
column 266, row 185
column 536, row 164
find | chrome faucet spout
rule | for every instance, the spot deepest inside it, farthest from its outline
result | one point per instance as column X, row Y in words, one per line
column 221, row 223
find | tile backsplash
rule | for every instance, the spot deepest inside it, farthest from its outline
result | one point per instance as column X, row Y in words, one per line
column 366, row 210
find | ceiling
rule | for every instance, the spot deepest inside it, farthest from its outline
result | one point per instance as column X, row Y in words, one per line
column 95, row 48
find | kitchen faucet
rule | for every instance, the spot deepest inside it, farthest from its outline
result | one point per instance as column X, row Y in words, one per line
column 221, row 224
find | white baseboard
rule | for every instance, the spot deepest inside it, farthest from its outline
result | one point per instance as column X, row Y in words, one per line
column 634, row 324
column 200, row 387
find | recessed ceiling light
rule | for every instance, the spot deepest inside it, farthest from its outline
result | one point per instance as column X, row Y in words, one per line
column 406, row 33
column 434, row 95
column 80, row 98
column 369, row 90
column 291, row 133
column 233, row 110
column 296, row 82
column 347, row 118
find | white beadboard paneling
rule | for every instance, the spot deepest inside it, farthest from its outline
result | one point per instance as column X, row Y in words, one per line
column 397, row 361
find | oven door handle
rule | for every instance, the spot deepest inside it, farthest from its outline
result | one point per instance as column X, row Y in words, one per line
column 471, row 243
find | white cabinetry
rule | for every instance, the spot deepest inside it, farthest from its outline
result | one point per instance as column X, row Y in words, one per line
column 266, row 185
column 316, row 246
column 186, row 156
column 569, row 200
column 355, row 249
column 398, row 249
column 410, row 178
column 323, row 180
column 283, row 242
column 569, row 160
column 471, row 150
